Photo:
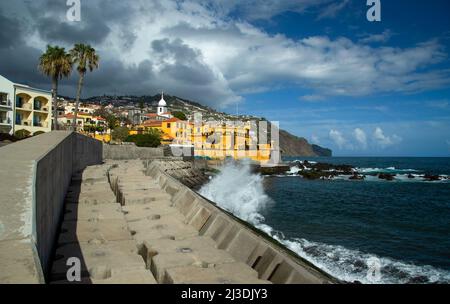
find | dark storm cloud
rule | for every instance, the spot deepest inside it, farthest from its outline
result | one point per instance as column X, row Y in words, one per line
column 53, row 26
column 186, row 66
column 73, row 32
column 10, row 30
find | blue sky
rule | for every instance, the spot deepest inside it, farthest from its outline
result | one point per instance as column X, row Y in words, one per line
column 316, row 66
column 420, row 121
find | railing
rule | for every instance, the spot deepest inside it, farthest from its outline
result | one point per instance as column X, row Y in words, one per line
column 24, row 106
column 5, row 120
column 5, row 103
column 42, row 124
column 25, row 122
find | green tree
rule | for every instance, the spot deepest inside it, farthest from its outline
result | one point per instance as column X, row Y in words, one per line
column 120, row 134
column 151, row 139
column 111, row 121
column 22, row 134
column 180, row 115
column 87, row 59
column 56, row 64
column 102, row 112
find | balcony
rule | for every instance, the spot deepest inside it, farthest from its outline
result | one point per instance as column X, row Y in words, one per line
column 5, row 120
column 24, row 106
column 24, row 122
column 5, row 103
column 42, row 124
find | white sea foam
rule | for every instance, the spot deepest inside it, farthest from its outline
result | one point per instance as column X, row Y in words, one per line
column 239, row 191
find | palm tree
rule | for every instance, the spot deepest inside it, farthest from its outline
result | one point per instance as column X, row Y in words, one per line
column 56, row 64
column 86, row 58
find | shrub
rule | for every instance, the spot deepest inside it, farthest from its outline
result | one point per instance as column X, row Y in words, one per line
column 151, row 139
column 180, row 115
column 38, row 133
column 21, row 134
column 120, row 134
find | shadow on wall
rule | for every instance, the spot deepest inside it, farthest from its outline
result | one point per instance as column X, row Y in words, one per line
column 72, row 249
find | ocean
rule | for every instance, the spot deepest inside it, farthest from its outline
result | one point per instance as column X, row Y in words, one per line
column 371, row 231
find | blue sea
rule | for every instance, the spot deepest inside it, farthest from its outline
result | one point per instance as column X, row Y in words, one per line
column 340, row 225
column 371, row 231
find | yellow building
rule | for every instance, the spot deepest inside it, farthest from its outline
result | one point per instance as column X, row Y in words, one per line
column 24, row 108
column 211, row 140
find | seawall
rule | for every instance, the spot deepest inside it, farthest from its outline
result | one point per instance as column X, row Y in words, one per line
column 130, row 151
column 35, row 175
column 271, row 260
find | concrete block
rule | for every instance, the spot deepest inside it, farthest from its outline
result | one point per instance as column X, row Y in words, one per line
column 231, row 273
column 88, row 212
column 85, row 231
column 169, row 226
column 148, row 211
column 110, row 255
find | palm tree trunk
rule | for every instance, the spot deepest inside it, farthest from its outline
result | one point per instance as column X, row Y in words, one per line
column 55, row 102
column 80, row 85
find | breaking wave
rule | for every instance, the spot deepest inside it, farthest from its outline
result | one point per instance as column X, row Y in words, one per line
column 240, row 192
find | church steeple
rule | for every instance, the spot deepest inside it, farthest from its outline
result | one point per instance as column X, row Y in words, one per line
column 162, row 105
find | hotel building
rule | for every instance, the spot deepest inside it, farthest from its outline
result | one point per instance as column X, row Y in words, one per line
column 24, row 108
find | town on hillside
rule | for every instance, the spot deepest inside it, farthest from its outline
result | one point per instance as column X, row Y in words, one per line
column 189, row 129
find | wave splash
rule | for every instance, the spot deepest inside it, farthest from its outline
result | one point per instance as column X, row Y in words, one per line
column 240, row 192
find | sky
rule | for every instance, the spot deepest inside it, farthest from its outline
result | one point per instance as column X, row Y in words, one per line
column 319, row 67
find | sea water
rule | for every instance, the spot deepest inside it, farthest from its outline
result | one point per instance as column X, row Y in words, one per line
column 342, row 226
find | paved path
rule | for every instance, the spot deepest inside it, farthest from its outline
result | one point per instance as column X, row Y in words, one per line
column 134, row 233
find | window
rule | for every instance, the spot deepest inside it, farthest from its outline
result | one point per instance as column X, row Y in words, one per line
column 168, row 124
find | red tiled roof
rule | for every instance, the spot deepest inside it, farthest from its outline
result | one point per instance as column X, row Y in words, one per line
column 173, row 119
column 152, row 123
column 151, row 115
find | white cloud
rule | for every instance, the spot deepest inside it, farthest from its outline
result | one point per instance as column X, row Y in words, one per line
column 207, row 55
column 315, row 139
column 337, row 138
column 360, row 137
column 384, row 141
column 333, row 9
column 385, row 36
column 312, row 98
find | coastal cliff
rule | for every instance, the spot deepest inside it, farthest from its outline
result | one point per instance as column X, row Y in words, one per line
column 292, row 145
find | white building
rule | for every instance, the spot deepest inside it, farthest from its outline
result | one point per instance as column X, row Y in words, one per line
column 24, row 108
column 162, row 108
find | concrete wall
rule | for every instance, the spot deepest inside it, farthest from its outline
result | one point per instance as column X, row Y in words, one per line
column 35, row 174
column 130, row 151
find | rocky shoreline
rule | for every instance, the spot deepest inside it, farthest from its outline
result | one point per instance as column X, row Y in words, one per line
column 324, row 171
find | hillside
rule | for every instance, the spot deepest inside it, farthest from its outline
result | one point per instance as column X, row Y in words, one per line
column 290, row 145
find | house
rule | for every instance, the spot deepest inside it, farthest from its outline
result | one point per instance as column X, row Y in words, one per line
column 24, row 108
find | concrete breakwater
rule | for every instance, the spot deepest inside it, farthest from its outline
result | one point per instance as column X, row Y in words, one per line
column 129, row 221
column 35, row 175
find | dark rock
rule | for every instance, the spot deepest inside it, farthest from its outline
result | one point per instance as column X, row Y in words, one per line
column 432, row 178
column 311, row 175
column 355, row 176
column 418, row 280
column 386, row 176
column 411, row 176
column 275, row 170
column 344, row 169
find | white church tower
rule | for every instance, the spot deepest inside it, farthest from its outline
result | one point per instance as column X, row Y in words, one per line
column 162, row 106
